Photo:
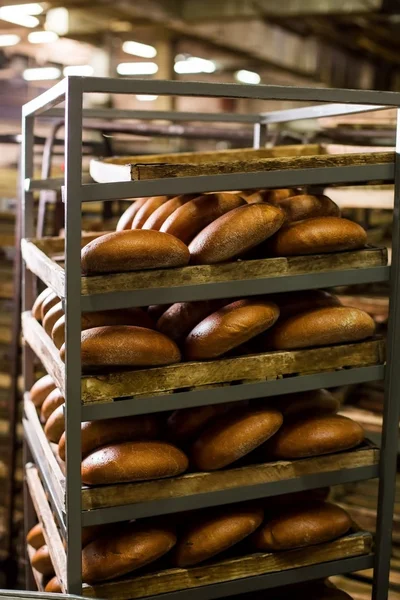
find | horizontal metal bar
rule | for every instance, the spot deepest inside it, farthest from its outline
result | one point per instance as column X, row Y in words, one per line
column 48, row 99
column 142, row 510
column 219, row 395
column 52, row 183
column 237, row 181
column 316, row 112
column 168, row 115
column 233, row 289
column 237, row 90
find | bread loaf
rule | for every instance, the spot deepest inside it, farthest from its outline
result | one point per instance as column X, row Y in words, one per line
column 53, row 401
column 51, row 300
column 41, row 561
column 317, row 236
column 179, row 319
column 127, row 549
column 313, row 402
column 37, row 305
column 214, row 532
column 229, row 327
column 234, row 435
column 133, row 251
column 146, row 210
column 110, row 431
column 124, row 345
column 305, row 206
column 186, row 423
column 297, row 302
column 156, row 310
column 235, row 232
column 133, row 461
column 321, row 327
column 127, row 316
column 35, row 537
column 161, row 214
column 125, row 221
column 186, row 221
column 270, row 196
column 314, row 436
column 53, row 586
column 41, row 389
column 52, row 317
column 55, row 425
column 302, row 526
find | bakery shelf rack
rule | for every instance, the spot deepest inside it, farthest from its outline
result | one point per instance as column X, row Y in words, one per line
column 57, row 264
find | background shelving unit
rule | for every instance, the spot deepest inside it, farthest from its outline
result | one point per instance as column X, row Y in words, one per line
column 80, row 294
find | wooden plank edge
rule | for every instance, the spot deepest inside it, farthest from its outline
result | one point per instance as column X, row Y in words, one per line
column 191, row 484
column 50, row 531
column 170, row 580
column 41, row 265
column 38, row 577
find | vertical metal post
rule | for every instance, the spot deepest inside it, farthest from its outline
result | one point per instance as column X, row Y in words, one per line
column 259, row 135
column 72, row 198
column 391, row 413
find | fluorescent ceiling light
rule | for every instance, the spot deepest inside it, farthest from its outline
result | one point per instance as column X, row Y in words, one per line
column 194, row 64
column 33, row 8
column 41, row 74
column 84, row 70
column 146, row 97
column 138, row 49
column 137, row 68
column 247, row 76
column 42, row 37
column 57, row 19
column 23, row 20
column 9, row 40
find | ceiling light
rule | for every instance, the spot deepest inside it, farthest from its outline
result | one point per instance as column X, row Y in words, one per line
column 57, row 19
column 84, row 70
column 18, row 19
column 138, row 49
column 247, row 76
column 42, row 37
column 194, row 64
column 33, row 8
column 137, row 68
column 146, row 97
column 9, row 40
column 41, row 74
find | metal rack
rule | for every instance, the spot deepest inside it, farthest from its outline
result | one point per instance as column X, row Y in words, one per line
column 70, row 515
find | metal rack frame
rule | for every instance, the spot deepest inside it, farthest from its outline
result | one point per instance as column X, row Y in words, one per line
column 76, row 191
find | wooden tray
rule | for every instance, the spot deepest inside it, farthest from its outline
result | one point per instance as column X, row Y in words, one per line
column 42, row 257
column 197, row 483
column 254, row 367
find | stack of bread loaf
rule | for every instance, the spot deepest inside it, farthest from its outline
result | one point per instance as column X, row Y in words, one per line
column 203, row 330
column 189, row 539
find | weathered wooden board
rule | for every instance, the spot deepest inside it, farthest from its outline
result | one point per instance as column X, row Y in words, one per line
column 38, row 577
column 199, row 483
column 353, row 544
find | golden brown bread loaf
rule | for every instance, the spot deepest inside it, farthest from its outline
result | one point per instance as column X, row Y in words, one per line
column 52, row 317
column 179, row 319
column 127, row 549
column 133, row 461
column 270, row 196
column 123, row 316
column 314, row 436
column 51, row 300
column 37, row 305
column 234, row 435
column 313, row 402
column 55, row 425
column 186, row 221
column 133, row 250
column 125, row 345
column 41, row 561
column 110, row 431
column 302, row 526
column 53, row 586
column 41, row 389
column 230, row 327
column 186, row 423
column 317, row 236
column 146, row 210
column 161, row 214
column 215, row 531
column 53, row 401
column 35, row 537
column 235, row 233
column 297, row 302
column 305, row 206
column 321, row 327
column 125, row 221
